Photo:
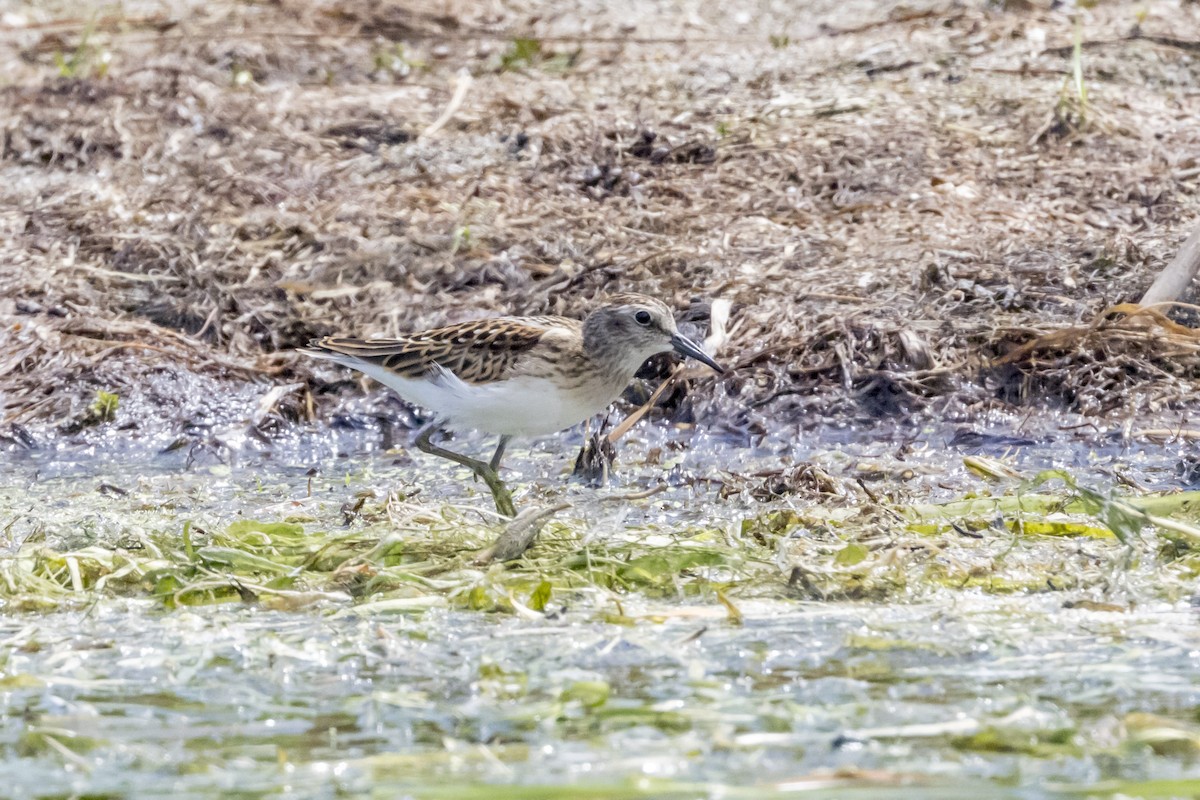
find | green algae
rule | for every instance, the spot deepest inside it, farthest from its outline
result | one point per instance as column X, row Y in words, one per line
column 170, row 548
column 647, row 635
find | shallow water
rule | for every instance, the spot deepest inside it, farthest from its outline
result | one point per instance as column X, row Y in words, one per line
column 658, row 690
column 251, row 701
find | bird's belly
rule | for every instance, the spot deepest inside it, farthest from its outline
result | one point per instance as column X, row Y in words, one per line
column 523, row 406
column 527, row 407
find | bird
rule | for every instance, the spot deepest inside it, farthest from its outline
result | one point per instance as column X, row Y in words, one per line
column 516, row 376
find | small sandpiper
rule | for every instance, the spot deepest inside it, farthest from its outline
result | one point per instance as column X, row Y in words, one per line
column 516, row 376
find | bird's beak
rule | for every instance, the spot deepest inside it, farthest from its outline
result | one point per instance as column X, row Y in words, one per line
column 686, row 347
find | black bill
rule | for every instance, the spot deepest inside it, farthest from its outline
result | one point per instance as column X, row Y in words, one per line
column 686, row 347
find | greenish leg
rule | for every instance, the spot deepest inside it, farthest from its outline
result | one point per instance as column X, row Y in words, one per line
column 486, row 472
column 495, row 464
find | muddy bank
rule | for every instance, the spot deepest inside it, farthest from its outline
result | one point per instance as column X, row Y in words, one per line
column 892, row 199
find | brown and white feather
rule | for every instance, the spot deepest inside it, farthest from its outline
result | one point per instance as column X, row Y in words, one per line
column 477, row 352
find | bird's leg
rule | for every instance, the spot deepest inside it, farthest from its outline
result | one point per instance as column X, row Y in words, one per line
column 499, row 454
column 486, row 472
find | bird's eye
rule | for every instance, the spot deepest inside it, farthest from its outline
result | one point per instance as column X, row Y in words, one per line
column 643, row 318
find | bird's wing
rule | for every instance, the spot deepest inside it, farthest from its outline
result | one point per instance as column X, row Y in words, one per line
column 477, row 352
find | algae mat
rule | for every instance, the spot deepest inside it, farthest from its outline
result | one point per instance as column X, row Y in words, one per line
column 879, row 620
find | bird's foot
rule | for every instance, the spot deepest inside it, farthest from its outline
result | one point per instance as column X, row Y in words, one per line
column 483, row 470
column 594, row 463
column 499, row 490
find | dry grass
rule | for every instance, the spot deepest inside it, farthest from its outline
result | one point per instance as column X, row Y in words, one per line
column 891, row 199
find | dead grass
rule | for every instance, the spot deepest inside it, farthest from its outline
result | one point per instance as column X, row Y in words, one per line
column 880, row 193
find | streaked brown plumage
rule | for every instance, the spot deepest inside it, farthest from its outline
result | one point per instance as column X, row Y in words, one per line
column 478, row 351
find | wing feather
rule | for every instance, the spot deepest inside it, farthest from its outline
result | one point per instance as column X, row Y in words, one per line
column 477, row 352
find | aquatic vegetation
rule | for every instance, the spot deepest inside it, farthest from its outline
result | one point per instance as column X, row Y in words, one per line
column 303, row 619
column 181, row 549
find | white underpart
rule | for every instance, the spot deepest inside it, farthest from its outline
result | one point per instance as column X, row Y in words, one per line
column 521, row 406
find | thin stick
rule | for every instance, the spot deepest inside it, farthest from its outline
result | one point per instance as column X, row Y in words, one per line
column 462, row 84
column 642, row 495
column 1168, row 434
column 627, row 423
column 1173, row 281
column 519, row 534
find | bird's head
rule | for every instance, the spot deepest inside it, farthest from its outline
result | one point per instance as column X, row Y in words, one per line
column 629, row 328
